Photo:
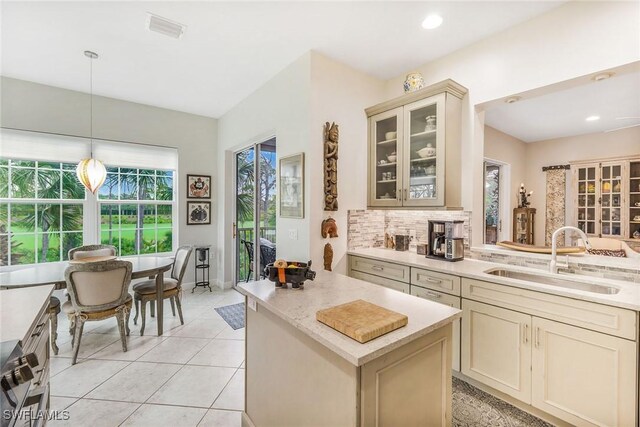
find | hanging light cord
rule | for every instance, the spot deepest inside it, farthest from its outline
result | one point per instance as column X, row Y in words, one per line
column 91, row 103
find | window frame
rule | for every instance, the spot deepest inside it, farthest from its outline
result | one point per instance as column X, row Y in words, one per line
column 173, row 203
column 91, row 208
column 35, row 201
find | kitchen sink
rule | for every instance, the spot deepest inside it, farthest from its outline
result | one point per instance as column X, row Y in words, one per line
column 554, row 281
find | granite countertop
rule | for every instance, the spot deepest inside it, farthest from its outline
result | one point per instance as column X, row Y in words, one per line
column 299, row 307
column 628, row 297
column 19, row 309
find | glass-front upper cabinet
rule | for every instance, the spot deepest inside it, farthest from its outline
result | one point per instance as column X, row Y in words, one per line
column 386, row 154
column 611, row 200
column 424, row 162
column 587, row 199
column 408, row 138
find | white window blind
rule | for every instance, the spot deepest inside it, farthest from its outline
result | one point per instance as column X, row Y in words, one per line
column 135, row 155
column 16, row 144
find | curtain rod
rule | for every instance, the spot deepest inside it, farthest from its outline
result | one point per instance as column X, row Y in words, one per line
column 556, row 167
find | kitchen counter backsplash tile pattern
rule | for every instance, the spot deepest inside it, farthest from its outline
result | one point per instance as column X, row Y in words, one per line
column 366, row 228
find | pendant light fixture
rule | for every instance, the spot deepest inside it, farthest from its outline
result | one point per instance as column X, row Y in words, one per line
column 91, row 172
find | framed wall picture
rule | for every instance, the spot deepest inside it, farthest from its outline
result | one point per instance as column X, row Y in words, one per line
column 198, row 186
column 291, row 174
column 198, row 212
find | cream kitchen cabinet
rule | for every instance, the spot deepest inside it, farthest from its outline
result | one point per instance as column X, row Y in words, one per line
column 580, row 376
column 496, row 348
column 583, row 377
column 414, row 149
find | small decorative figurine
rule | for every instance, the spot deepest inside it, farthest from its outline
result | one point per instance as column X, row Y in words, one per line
column 523, row 199
column 331, row 167
column 388, row 241
column 329, row 228
column 328, row 256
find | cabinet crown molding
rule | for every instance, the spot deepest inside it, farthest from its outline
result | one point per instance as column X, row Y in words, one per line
column 449, row 86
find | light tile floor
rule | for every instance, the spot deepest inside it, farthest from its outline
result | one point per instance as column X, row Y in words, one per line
column 193, row 375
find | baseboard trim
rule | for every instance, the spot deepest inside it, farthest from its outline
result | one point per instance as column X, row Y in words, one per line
column 246, row 421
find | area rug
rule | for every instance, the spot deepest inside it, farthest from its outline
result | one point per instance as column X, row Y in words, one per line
column 233, row 314
column 473, row 407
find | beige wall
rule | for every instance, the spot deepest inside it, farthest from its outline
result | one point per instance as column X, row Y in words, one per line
column 35, row 107
column 575, row 39
column 294, row 106
column 281, row 107
column 507, row 149
column 339, row 94
column 624, row 142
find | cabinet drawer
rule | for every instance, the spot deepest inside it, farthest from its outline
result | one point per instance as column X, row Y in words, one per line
column 435, row 296
column 391, row 284
column 380, row 268
column 437, row 281
column 597, row 317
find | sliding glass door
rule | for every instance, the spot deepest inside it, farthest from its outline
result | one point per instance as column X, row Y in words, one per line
column 255, row 222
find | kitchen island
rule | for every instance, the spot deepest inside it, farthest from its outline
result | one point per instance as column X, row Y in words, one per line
column 301, row 372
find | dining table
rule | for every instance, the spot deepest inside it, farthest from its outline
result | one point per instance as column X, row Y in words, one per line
column 53, row 273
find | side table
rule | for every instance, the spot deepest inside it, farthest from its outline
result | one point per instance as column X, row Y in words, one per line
column 202, row 265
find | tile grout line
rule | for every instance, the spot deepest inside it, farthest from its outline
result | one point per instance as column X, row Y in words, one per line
column 223, row 388
column 129, row 363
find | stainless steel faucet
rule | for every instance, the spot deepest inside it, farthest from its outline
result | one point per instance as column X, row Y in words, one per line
column 553, row 265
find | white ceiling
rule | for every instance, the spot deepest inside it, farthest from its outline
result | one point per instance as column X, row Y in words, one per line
column 563, row 113
column 231, row 48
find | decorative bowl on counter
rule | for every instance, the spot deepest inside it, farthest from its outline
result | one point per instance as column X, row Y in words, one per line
column 295, row 273
column 390, row 135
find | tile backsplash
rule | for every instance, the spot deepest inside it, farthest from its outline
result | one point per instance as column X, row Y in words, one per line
column 366, row 228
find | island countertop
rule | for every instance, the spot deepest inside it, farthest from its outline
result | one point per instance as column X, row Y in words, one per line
column 299, row 307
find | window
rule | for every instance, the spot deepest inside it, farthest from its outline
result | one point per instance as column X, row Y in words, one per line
column 45, row 211
column 41, row 211
column 136, row 210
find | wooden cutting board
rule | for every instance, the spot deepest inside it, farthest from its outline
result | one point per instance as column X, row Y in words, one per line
column 540, row 249
column 361, row 320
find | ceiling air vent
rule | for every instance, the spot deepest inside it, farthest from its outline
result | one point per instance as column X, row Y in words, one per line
column 165, row 26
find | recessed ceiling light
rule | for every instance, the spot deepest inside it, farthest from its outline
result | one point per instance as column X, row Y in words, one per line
column 432, row 21
column 602, row 76
column 592, row 118
column 512, row 99
column 165, row 26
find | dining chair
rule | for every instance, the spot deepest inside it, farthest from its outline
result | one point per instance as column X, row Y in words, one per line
column 145, row 291
column 87, row 251
column 92, row 251
column 98, row 291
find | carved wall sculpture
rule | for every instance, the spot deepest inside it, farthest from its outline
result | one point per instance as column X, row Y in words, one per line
column 331, row 166
column 329, row 228
column 328, row 256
